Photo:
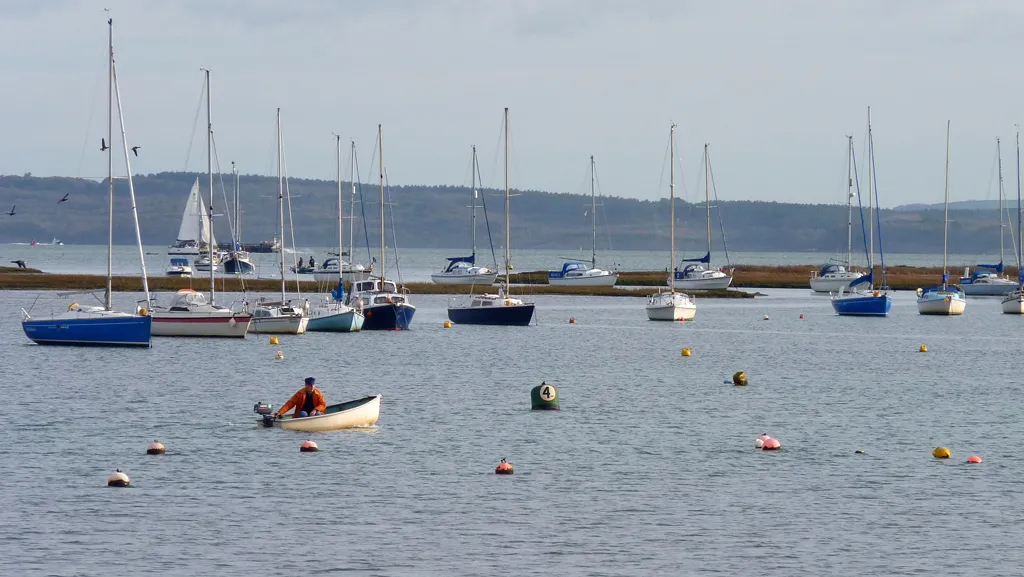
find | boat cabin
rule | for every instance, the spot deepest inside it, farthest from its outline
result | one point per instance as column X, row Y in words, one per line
column 187, row 299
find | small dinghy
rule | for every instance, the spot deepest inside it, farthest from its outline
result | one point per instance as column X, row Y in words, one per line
column 358, row 413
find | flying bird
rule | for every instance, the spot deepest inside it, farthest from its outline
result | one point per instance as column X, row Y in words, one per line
column 65, row 199
column 103, row 144
column 12, row 210
column 135, row 149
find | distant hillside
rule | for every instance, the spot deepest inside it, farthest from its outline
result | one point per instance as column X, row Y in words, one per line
column 992, row 205
column 437, row 217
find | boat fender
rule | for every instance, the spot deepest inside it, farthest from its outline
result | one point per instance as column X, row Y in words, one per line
column 947, row 300
column 72, row 306
column 877, row 294
column 143, row 312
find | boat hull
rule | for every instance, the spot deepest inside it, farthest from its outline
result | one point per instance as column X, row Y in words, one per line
column 105, row 331
column 671, row 313
column 988, row 288
column 353, row 414
column 597, row 280
column 285, row 325
column 465, row 279
column 832, row 284
column 347, row 276
column 510, row 316
column 941, row 304
column 1013, row 304
column 862, row 306
column 703, row 284
column 388, row 317
column 346, row 322
column 183, row 324
column 238, row 266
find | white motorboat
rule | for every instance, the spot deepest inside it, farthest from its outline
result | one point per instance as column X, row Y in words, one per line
column 190, row 315
column 349, row 415
column 944, row 299
column 179, row 267
column 672, row 305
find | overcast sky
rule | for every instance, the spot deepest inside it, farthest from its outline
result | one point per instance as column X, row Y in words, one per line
column 773, row 86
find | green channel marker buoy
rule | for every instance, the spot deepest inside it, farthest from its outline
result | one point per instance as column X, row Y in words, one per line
column 544, row 397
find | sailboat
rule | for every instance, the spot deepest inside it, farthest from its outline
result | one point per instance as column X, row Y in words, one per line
column 574, row 273
column 944, row 299
column 237, row 260
column 987, row 278
column 671, row 305
column 871, row 301
column 280, row 316
column 189, row 314
column 192, row 233
column 380, row 301
column 463, row 269
column 335, row 265
column 101, row 325
column 701, row 276
column 331, row 314
column 835, row 276
column 1013, row 303
column 496, row 309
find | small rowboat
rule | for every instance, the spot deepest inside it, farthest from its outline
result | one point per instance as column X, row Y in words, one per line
column 359, row 413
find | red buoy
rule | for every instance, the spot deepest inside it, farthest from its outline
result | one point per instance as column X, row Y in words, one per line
column 974, row 459
column 503, row 468
column 308, row 447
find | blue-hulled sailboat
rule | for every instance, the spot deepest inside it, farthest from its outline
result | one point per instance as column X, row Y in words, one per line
column 495, row 309
column 94, row 325
column 869, row 301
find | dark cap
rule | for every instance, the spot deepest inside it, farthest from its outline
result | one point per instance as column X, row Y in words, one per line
column 310, row 380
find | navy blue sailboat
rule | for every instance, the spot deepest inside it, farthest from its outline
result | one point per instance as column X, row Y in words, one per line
column 869, row 300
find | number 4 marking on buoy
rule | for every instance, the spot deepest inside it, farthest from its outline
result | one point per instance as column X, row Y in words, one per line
column 547, row 392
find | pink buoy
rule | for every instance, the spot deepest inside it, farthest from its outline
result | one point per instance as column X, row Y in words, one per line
column 308, row 447
column 759, row 441
column 155, row 448
column 771, row 445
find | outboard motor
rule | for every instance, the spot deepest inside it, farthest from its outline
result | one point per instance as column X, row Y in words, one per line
column 266, row 410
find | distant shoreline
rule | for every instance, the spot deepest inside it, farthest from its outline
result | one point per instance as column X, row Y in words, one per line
column 535, row 282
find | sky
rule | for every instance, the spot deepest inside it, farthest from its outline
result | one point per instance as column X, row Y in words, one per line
column 773, row 88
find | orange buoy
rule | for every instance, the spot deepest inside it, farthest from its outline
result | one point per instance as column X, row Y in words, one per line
column 308, row 447
column 771, row 445
column 974, row 459
column 118, row 479
column 155, row 448
column 572, row 320
column 503, row 468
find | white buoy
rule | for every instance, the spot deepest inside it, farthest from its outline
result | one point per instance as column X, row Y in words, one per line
column 118, row 479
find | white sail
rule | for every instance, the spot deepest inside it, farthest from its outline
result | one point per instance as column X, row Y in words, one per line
column 194, row 220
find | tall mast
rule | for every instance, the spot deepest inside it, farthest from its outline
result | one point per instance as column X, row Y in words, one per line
column 472, row 169
column 234, row 201
column 280, row 197
column 352, row 229
column 672, row 205
column 945, row 221
column 380, row 155
column 707, row 196
column 593, row 214
column 209, row 173
column 341, row 211
column 507, row 220
column 871, row 207
column 1020, row 241
column 849, row 202
column 107, row 297
column 999, row 160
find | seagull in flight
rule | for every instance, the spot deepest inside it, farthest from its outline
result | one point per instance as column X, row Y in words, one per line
column 135, row 149
column 65, row 199
column 103, row 144
column 12, row 210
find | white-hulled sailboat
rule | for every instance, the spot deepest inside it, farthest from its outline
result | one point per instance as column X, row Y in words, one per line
column 574, row 273
column 671, row 305
column 280, row 317
column 944, row 299
column 463, row 269
column 701, row 275
column 1013, row 303
column 189, row 314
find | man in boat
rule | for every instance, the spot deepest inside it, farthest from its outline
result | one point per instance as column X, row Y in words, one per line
column 308, row 401
column 311, row 264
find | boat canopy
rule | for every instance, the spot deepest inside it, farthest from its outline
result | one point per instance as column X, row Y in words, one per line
column 454, row 260
column 187, row 298
column 831, row 268
column 706, row 259
column 996, row 267
column 567, row 267
column 691, row 267
column 869, row 279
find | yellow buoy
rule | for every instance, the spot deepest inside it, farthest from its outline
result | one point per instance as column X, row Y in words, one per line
column 447, row 324
column 940, row 453
column 273, row 340
column 923, row 349
column 279, row 356
column 739, row 378
column 686, row 352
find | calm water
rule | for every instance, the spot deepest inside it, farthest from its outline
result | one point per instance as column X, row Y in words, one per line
column 418, row 264
column 649, row 469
